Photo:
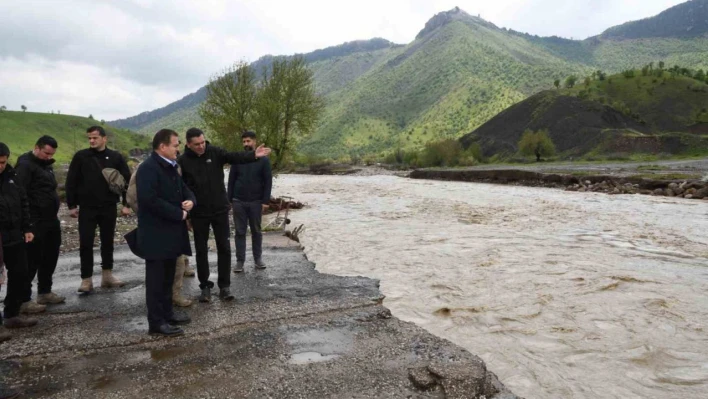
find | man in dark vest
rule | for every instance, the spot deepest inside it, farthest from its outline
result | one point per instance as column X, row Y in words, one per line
column 37, row 178
column 164, row 203
column 203, row 172
column 90, row 199
column 249, row 188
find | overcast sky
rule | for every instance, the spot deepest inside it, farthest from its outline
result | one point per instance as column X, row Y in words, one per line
column 117, row 58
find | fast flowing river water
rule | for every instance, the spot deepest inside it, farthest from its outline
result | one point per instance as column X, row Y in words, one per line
column 563, row 294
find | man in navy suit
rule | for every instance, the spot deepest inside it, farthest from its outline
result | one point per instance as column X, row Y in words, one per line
column 164, row 202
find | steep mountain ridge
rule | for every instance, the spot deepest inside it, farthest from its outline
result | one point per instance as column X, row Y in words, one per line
column 689, row 19
column 458, row 73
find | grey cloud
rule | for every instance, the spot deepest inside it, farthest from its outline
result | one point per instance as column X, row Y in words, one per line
column 154, row 46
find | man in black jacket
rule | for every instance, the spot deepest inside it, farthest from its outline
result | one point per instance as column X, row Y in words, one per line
column 164, row 202
column 15, row 233
column 203, row 172
column 249, row 189
column 90, row 199
column 37, row 178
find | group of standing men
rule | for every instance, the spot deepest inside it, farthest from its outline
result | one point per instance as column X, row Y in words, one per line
column 173, row 195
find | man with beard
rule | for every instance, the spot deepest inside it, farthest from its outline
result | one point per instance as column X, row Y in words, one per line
column 91, row 199
column 249, row 188
column 203, row 172
column 37, row 178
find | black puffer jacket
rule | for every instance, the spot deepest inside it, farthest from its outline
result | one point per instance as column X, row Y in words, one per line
column 204, row 175
column 85, row 184
column 14, row 209
column 37, row 179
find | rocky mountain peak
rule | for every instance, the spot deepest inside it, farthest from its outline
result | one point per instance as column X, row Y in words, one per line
column 456, row 14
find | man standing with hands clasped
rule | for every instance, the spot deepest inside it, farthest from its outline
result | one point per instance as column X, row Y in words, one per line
column 93, row 200
column 164, row 203
column 203, row 172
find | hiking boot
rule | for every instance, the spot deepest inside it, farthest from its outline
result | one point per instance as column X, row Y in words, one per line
column 4, row 335
column 108, row 280
column 205, row 297
column 225, row 294
column 260, row 265
column 50, row 299
column 32, row 307
column 86, row 285
column 20, row 322
column 181, row 301
column 239, row 267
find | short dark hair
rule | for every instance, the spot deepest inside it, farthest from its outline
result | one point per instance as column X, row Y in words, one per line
column 99, row 129
column 164, row 136
column 248, row 133
column 47, row 140
column 4, row 150
column 192, row 133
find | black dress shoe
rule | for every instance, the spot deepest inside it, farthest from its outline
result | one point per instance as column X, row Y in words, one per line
column 179, row 318
column 166, row 330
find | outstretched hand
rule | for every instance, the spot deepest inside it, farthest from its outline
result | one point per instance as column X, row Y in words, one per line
column 262, row 151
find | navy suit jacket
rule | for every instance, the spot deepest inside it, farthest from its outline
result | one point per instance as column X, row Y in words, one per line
column 162, row 234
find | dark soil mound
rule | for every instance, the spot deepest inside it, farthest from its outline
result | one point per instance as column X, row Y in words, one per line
column 576, row 126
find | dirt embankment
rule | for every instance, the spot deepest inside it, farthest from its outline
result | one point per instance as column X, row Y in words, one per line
column 691, row 189
column 349, row 170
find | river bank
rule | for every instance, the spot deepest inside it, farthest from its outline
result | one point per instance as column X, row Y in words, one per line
column 563, row 294
column 291, row 332
column 610, row 184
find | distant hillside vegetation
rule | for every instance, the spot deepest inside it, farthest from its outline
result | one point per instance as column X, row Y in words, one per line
column 574, row 125
column 458, row 73
column 622, row 114
column 182, row 114
column 20, row 130
column 665, row 103
column 689, row 19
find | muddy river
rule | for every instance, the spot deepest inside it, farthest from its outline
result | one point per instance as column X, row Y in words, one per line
column 563, row 294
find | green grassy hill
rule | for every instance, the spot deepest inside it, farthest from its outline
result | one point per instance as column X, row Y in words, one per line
column 615, row 117
column 457, row 74
column 20, row 130
column 664, row 102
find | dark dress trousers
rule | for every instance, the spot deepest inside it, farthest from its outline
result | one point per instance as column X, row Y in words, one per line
column 162, row 234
